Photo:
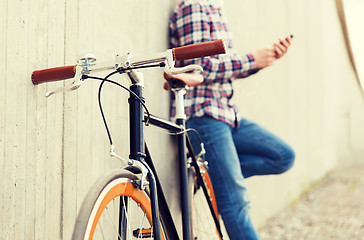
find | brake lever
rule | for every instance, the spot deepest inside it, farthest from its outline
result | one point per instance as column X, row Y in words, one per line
column 177, row 70
column 75, row 85
column 171, row 69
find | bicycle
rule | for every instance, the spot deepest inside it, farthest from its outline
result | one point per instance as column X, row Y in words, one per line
column 129, row 203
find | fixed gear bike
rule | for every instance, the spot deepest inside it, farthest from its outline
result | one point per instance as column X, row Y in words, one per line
column 129, row 203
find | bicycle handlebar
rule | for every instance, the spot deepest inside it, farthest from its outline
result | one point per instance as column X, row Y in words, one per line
column 199, row 50
column 53, row 74
column 180, row 53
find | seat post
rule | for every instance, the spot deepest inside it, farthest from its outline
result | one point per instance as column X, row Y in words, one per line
column 179, row 94
column 182, row 157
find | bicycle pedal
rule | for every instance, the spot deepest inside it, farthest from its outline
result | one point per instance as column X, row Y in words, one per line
column 143, row 233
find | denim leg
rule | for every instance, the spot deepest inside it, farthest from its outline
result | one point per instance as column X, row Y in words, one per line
column 261, row 152
column 226, row 176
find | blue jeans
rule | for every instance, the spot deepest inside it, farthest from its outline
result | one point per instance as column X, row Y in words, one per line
column 234, row 154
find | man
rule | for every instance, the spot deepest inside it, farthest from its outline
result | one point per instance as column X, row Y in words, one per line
column 236, row 148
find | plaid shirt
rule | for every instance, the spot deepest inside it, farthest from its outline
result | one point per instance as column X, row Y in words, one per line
column 195, row 21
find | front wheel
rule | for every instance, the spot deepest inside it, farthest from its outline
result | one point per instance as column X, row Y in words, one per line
column 203, row 224
column 115, row 208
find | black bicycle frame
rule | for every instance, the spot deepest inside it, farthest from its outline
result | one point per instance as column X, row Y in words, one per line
column 139, row 152
column 165, row 214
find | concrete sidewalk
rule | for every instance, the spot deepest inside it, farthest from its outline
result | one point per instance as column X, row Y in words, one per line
column 332, row 210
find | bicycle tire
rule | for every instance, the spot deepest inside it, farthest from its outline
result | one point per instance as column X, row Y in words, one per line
column 203, row 224
column 104, row 214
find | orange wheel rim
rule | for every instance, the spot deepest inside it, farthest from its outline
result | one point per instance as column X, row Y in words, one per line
column 209, row 186
column 119, row 188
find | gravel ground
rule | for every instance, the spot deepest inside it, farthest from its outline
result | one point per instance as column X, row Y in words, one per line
column 332, row 210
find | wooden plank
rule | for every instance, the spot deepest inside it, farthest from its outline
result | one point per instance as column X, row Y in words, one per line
column 114, row 99
column 36, row 124
column 69, row 173
column 56, row 18
column 8, row 179
column 86, row 95
column 15, row 119
column 3, row 39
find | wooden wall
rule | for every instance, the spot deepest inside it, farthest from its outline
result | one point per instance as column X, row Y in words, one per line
column 52, row 150
column 310, row 97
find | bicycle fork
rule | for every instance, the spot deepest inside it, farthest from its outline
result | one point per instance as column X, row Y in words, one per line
column 137, row 150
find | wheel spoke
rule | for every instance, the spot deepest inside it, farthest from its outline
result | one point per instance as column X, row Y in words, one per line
column 112, row 220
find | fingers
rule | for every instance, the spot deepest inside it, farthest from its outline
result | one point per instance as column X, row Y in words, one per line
column 279, row 50
column 285, row 42
column 282, row 46
column 289, row 38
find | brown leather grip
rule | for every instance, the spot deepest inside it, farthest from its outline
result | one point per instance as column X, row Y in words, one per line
column 53, row 74
column 199, row 50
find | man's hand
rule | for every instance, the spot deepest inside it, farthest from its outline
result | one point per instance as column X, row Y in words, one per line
column 265, row 56
column 282, row 47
